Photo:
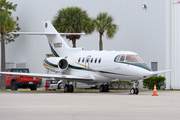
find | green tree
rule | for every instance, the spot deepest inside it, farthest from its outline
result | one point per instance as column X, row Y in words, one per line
column 104, row 22
column 8, row 7
column 73, row 20
column 7, row 24
column 149, row 83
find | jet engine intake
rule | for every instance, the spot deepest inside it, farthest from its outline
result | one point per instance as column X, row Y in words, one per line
column 55, row 64
column 63, row 64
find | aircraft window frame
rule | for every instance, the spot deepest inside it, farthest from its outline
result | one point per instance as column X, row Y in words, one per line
column 117, row 58
column 99, row 60
column 95, row 60
column 139, row 58
column 131, row 59
column 123, row 58
column 91, row 60
column 83, row 59
column 79, row 59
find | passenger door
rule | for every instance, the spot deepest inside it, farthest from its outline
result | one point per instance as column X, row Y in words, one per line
column 87, row 60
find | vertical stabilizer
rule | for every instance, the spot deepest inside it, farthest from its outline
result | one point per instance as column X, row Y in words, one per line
column 57, row 45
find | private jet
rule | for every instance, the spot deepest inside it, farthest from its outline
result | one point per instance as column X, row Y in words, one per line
column 90, row 67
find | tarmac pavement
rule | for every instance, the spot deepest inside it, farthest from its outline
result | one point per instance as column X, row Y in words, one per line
column 116, row 105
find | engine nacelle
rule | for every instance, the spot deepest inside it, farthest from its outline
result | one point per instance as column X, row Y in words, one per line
column 55, row 64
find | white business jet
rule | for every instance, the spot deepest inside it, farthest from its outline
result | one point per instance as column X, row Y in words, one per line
column 90, row 67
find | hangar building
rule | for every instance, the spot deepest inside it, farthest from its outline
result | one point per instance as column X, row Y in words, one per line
column 152, row 32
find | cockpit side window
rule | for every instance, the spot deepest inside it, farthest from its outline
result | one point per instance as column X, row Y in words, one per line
column 117, row 58
column 128, row 58
column 131, row 59
column 140, row 60
column 122, row 58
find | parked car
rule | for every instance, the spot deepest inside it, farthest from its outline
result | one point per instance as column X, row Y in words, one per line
column 14, row 81
column 54, row 84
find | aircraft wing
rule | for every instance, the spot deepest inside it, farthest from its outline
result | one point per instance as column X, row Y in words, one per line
column 57, row 76
column 162, row 71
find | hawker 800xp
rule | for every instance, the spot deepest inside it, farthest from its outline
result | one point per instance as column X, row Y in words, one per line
column 90, row 67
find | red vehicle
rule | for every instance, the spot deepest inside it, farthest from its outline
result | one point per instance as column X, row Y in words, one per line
column 14, row 81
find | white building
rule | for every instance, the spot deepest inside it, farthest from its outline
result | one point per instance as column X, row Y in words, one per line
column 153, row 32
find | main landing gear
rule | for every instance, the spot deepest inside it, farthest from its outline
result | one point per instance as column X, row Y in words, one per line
column 68, row 88
column 104, row 88
column 134, row 90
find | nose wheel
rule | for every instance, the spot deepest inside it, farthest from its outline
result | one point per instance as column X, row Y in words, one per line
column 134, row 90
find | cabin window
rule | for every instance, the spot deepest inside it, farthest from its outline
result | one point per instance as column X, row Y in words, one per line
column 95, row 60
column 83, row 60
column 131, row 59
column 91, row 60
column 99, row 60
column 79, row 59
column 87, row 60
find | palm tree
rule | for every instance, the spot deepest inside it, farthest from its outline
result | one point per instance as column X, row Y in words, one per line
column 6, row 25
column 73, row 20
column 8, row 7
column 103, row 23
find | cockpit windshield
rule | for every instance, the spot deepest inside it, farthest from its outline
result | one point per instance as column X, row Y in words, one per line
column 128, row 58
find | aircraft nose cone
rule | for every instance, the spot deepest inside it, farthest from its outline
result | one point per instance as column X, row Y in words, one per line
column 144, row 71
column 146, row 74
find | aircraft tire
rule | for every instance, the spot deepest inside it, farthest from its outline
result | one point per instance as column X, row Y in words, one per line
column 132, row 91
column 101, row 88
column 136, row 91
column 66, row 88
column 106, row 88
column 71, row 88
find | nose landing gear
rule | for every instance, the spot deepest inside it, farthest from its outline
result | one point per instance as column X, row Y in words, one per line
column 134, row 90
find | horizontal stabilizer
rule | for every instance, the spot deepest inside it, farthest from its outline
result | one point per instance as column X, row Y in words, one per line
column 162, row 71
column 57, row 76
column 45, row 33
column 33, row 33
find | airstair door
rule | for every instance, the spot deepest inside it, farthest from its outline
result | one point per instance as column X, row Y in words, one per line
column 87, row 60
